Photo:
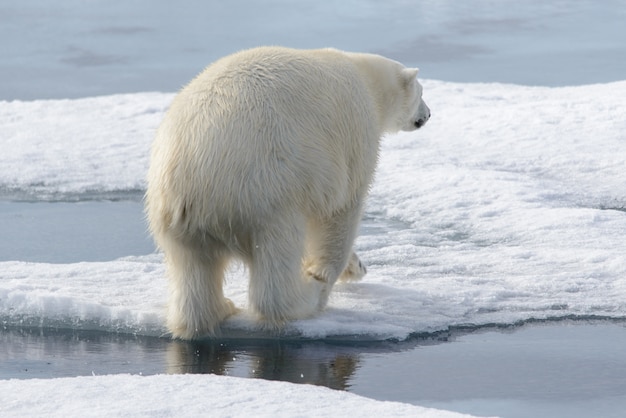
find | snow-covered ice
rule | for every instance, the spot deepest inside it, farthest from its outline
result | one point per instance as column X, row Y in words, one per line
column 509, row 205
column 97, row 144
column 190, row 396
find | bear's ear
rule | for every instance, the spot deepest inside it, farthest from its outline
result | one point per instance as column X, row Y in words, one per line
column 409, row 75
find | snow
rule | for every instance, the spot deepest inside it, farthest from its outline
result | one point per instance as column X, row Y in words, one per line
column 509, row 205
column 190, row 396
column 60, row 147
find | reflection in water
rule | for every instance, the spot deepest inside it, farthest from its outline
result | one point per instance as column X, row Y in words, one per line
column 45, row 353
column 311, row 362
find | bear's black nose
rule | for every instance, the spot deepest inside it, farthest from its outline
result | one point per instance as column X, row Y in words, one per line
column 420, row 122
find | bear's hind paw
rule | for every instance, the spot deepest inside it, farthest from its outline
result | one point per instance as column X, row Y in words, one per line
column 355, row 270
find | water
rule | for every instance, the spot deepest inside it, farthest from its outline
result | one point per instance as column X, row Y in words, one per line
column 573, row 369
column 100, row 231
column 76, row 48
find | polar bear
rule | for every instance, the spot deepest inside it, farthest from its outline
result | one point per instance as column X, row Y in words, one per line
column 267, row 156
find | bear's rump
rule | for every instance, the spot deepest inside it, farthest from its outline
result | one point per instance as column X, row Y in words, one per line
column 248, row 151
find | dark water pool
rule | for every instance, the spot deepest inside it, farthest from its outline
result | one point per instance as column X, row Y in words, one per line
column 554, row 369
column 70, row 232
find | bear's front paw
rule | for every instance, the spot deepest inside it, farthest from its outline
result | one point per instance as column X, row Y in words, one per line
column 355, row 270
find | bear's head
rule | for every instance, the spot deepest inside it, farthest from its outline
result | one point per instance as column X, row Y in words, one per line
column 412, row 112
column 395, row 89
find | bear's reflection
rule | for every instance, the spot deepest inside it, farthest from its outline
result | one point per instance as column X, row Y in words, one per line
column 312, row 363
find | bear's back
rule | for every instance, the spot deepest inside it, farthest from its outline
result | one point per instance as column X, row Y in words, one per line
column 283, row 82
column 274, row 127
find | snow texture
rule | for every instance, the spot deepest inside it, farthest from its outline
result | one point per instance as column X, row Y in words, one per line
column 508, row 206
column 190, row 396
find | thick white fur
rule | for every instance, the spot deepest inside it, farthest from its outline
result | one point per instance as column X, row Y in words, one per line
column 267, row 156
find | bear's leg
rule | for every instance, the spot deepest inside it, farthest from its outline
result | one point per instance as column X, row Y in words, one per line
column 329, row 249
column 278, row 290
column 196, row 302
